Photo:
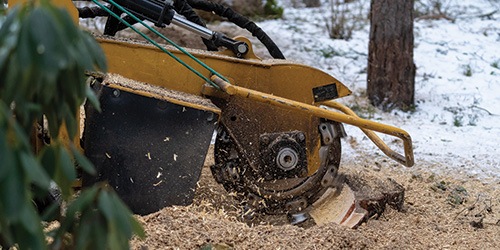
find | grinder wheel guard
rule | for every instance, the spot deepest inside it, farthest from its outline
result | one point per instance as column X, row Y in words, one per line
column 270, row 173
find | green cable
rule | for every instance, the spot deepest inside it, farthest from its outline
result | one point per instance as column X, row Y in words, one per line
column 160, row 47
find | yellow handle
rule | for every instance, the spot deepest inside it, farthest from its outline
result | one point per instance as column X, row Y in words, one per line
column 406, row 160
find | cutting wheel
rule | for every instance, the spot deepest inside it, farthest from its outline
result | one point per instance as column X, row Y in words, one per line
column 265, row 185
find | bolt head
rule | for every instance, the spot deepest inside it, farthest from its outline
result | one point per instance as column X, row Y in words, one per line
column 242, row 48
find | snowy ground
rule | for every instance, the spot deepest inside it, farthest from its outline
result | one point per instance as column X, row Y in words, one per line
column 456, row 124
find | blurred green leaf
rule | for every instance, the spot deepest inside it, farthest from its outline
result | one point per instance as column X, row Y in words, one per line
column 3, row 9
column 5, row 154
column 82, row 161
column 92, row 98
column 137, row 228
column 65, row 173
column 85, row 229
column 80, row 204
column 99, row 60
column 29, row 240
column 70, row 119
column 53, row 121
column 100, row 232
column 8, row 31
column 28, row 215
column 25, row 47
column 13, row 193
column 34, row 170
column 48, row 160
column 67, row 164
column 119, row 219
column 43, row 59
column 8, row 81
column 52, row 212
column 48, row 49
column 10, row 28
column 123, row 218
column 106, row 205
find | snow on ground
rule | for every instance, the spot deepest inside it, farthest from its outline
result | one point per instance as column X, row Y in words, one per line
column 456, row 124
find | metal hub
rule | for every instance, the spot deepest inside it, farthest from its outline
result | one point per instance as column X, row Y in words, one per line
column 287, row 159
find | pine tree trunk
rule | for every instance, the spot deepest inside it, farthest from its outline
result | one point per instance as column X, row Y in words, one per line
column 391, row 70
column 312, row 3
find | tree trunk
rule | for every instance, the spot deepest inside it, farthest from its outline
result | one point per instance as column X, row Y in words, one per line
column 312, row 3
column 391, row 71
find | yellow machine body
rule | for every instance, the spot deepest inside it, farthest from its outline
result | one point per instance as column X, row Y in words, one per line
column 259, row 100
column 289, row 80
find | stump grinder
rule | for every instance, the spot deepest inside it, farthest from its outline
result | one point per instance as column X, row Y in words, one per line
column 278, row 130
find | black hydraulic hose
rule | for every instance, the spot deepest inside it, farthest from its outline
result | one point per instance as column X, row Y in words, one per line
column 91, row 12
column 241, row 21
column 183, row 8
column 153, row 10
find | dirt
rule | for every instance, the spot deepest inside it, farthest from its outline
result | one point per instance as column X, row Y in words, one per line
column 439, row 213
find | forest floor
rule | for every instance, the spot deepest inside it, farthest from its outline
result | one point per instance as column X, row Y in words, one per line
column 439, row 212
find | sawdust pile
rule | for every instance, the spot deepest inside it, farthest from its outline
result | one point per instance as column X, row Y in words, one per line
column 439, row 213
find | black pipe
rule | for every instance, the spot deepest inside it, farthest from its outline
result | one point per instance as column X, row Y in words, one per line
column 241, row 21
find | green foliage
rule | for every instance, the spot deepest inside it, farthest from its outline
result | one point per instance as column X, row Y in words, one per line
column 41, row 50
column 43, row 58
column 458, row 121
column 496, row 64
column 329, row 52
column 271, row 8
column 467, row 70
column 461, row 115
column 364, row 111
column 17, row 214
column 98, row 219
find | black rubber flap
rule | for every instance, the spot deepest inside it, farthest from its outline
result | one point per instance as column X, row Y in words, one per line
column 150, row 151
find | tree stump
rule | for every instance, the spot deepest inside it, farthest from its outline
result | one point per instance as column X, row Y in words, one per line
column 356, row 199
column 391, row 70
column 374, row 194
